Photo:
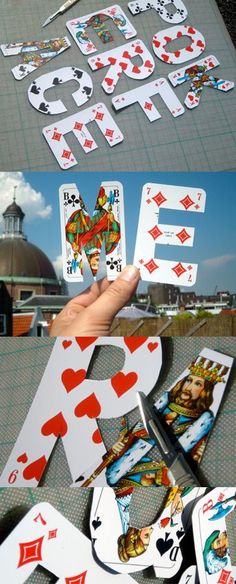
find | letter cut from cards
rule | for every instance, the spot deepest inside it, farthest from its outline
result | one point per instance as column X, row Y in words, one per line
column 143, row 94
column 211, row 539
column 77, row 124
column 164, row 9
column 47, row 539
column 120, row 62
column 34, row 54
column 155, row 198
column 71, row 408
column 191, row 404
column 36, row 91
column 80, row 232
column 125, row 548
column 199, row 76
column 163, row 37
column 189, row 576
column 99, row 22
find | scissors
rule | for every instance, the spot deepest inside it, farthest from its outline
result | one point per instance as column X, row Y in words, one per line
column 179, row 472
column 60, row 10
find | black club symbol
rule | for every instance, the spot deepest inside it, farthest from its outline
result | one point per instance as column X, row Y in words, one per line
column 113, row 264
column 73, row 200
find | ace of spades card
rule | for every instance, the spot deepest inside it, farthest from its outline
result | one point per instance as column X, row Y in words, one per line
column 210, row 536
column 45, row 538
column 81, row 232
column 126, row 549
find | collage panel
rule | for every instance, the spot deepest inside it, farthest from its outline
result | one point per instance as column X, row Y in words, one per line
column 117, row 292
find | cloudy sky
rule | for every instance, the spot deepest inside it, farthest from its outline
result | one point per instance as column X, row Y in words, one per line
column 214, row 249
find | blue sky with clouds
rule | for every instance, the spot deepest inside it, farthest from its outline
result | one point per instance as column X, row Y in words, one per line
column 215, row 241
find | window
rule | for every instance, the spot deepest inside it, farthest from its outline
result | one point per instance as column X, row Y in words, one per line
column 25, row 294
column 3, row 324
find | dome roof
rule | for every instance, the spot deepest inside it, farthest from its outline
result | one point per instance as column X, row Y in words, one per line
column 14, row 210
column 19, row 258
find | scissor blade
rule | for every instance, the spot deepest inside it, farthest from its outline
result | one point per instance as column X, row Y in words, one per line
column 51, row 18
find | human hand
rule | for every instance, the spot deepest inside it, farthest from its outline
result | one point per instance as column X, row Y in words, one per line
column 92, row 312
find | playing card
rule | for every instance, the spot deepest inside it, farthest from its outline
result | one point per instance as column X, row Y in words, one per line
column 197, row 75
column 45, row 538
column 161, row 7
column 77, row 124
column 150, row 232
column 99, row 21
column 80, row 232
column 34, row 54
column 120, row 62
column 36, row 91
column 210, row 536
column 189, row 576
column 127, row 549
column 143, row 94
column 191, row 404
column 70, row 409
column 163, row 37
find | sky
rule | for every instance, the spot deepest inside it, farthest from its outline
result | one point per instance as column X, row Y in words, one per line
column 215, row 243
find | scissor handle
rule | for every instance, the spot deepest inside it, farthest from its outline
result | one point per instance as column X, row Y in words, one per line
column 69, row 3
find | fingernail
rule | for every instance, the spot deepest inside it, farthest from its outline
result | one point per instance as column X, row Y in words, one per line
column 130, row 273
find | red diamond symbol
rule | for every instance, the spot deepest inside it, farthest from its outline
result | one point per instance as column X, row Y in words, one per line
column 190, row 267
column 66, row 154
column 183, row 235
column 80, row 579
column 151, row 266
column 30, row 551
column 99, row 116
column 88, row 143
column 52, row 534
column 224, row 576
column 141, row 262
column 155, row 232
column 179, row 269
column 78, row 126
column 148, row 201
column 159, row 199
column 148, row 105
column 187, row 202
column 57, row 136
column 109, row 133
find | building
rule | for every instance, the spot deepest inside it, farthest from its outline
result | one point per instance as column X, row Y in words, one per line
column 24, row 268
column 163, row 294
column 5, row 311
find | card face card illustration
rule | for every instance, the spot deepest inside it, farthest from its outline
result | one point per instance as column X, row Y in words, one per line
column 211, row 540
column 161, row 6
column 81, row 232
column 156, row 197
column 34, row 54
column 75, row 403
column 44, row 537
column 99, row 21
column 37, row 89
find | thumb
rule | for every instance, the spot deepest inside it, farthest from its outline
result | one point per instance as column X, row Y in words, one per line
column 116, row 296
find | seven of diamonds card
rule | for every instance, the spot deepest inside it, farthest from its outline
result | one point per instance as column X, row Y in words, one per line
column 81, row 232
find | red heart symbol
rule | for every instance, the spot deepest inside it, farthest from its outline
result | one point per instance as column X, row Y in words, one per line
column 99, row 65
column 112, row 60
column 200, row 44
column 138, row 50
column 126, row 55
column 22, row 458
column 148, row 64
column 136, row 69
column 35, row 469
column 97, row 437
column 168, row 39
column 179, row 34
column 189, row 49
column 152, row 346
column 56, row 425
column 133, row 343
column 71, row 378
column 190, row 97
column 177, row 53
column 165, row 57
column 123, row 66
column 156, row 43
column 191, row 30
column 84, row 342
column 66, row 344
column 89, row 406
column 108, row 81
column 211, row 64
column 122, row 382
